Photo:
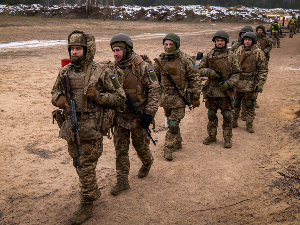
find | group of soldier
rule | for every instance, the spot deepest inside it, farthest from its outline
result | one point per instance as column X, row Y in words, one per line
column 100, row 91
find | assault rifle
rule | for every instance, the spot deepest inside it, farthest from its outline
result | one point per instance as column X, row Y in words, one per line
column 72, row 115
column 175, row 86
column 130, row 103
column 221, row 78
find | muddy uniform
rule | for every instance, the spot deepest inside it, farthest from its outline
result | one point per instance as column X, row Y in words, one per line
column 186, row 75
column 108, row 94
column 292, row 27
column 276, row 31
column 254, row 71
column 215, row 99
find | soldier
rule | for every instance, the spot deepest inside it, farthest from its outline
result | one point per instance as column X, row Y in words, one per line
column 140, row 82
column 292, row 26
column 237, row 44
column 253, row 77
column 298, row 24
column 275, row 31
column 183, row 71
column 213, row 90
column 263, row 41
column 96, row 84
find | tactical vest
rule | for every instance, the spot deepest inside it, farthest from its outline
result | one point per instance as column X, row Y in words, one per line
column 131, row 82
column 222, row 62
column 76, row 92
column 293, row 22
column 173, row 68
column 262, row 43
column 277, row 26
column 249, row 64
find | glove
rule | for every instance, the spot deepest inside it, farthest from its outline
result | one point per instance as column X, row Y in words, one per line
column 196, row 103
column 224, row 86
column 213, row 74
column 146, row 120
column 259, row 87
column 91, row 92
column 61, row 102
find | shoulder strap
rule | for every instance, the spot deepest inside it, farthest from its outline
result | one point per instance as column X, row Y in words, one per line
column 86, row 80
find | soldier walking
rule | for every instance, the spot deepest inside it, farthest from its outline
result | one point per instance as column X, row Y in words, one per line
column 292, row 26
column 140, row 82
column 213, row 91
column 263, row 41
column 276, row 31
column 253, row 77
column 183, row 71
column 93, row 88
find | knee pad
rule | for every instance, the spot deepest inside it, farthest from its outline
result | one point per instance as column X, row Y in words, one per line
column 249, row 103
column 226, row 116
column 236, row 103
column 173, row 127
column 211, row 115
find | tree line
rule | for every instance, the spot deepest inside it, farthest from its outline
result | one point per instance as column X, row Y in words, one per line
column 286, row 4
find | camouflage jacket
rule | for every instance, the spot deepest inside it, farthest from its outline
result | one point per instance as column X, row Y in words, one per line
column 148, row 89
column 109, row 94
column 253, row 71
column 236, row 45
column 265, row 44
column 189, row 78
column 211, row 87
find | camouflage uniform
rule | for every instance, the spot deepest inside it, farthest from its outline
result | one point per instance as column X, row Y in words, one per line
column 298, row 24
column 108, row 94
column 227, row 63
column 264, row 42
column 254, row 71
column 140, row 82
column 276, row 31
column 292, row 26
column 182, row 69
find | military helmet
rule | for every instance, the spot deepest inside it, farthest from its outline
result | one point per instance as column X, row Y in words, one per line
column 221, row 34
column 275, row 20
column 261, row 27
column 77, row 39
column 250, row 35
column 245, row 29
column 294, row 16
column 121, row 37
column 172, row 37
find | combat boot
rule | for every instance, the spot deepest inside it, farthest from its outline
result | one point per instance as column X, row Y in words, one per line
column 85, row 211
column 122, row 184
column 168, row 154
column 144, row 170
column 250, row 128
column 227, row 143
column 210, row 139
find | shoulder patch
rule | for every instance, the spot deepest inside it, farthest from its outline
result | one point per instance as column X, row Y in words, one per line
column 115, row 82
column 152, row 75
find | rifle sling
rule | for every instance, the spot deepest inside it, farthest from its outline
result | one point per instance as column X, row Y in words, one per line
column 86, row 79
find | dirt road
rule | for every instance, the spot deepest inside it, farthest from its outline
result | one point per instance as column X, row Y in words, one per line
column 255, row 182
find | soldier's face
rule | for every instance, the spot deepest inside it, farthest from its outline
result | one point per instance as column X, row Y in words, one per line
column 220, row 43
column 248, row 42
column 169, row 43
column 118, row 53
column 76, row 51
column 260, row 31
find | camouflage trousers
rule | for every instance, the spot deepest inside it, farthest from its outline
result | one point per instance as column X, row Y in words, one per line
column 90, row 152
column 276, row 39
column 292, row 31
column 213, row 104
column 248, row 113
column 140, row 142
column 172, row 140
